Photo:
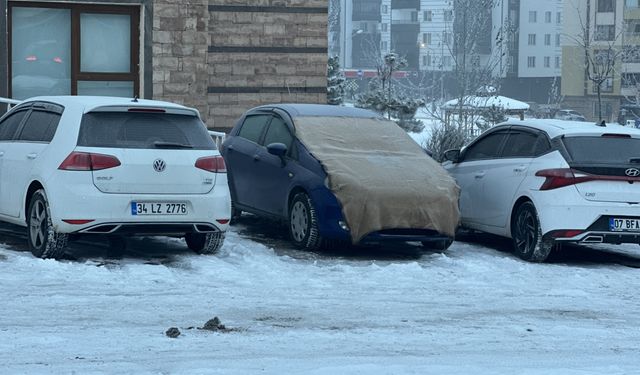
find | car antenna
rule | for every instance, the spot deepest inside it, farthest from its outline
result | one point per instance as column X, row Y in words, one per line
column 602, row 123
column 135, row 99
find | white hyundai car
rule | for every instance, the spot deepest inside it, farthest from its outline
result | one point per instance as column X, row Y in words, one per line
column 547, row 182
column 73, row 165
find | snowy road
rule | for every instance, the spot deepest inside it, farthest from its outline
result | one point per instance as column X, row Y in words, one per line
column 475, row 309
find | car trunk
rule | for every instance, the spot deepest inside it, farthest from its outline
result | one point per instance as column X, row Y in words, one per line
column 157, row 152
column 609, row 164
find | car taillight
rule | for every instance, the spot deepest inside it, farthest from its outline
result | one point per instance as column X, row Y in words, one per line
column 565, row 233
column 557, row 178
column 213, row 164
column 85, row 161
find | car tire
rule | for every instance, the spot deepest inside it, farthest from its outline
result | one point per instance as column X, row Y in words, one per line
column 44, row 241
column 303, row 223
column 205, row 243
column 526, row 234
column 441, row 245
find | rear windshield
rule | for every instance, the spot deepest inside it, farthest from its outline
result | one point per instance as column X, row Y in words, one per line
column 143, row 130
column 608, row 150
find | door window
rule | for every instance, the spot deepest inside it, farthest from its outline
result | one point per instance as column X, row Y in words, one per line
column 486, row 148
column 520, row 144
column 253, row 126
column 278, row 132
column 10, row 125
column 40, row 127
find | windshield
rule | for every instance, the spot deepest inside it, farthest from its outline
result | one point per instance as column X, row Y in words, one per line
column 144, row 130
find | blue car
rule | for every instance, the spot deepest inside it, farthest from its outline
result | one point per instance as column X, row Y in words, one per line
column 273, row 173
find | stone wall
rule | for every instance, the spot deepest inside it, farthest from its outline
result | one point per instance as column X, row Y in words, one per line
column 265, row 51
column 180, row 42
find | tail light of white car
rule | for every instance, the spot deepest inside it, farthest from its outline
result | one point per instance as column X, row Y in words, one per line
column 560, row 177
column 86, row 161
column 213, row 164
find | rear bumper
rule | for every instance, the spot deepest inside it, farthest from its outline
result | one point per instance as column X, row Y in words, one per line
column 111, row 213
column 599, row 232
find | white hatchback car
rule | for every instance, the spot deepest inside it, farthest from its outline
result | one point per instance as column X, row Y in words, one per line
column 73, row 165
column 545, row 182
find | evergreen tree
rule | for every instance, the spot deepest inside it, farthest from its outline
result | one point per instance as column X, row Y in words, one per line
column 335, row 82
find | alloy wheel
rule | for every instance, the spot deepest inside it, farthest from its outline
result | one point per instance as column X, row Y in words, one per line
column 38, row 224
column 299, row 221
column 526, row 229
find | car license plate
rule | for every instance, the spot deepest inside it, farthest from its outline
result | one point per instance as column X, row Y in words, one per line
column 624, row 225
column 158, row 208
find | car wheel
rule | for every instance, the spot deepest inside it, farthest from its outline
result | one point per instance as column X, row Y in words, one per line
column 44, row 241
column 441, row 245
column 205, row 243
column 303, row 223
column 527, row 238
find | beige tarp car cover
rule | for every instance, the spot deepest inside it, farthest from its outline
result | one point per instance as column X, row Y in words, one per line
column 381, row 177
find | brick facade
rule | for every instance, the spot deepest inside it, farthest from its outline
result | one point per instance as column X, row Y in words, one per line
column 224, row 56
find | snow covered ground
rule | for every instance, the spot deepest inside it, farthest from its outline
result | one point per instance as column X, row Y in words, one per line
column 472, row 310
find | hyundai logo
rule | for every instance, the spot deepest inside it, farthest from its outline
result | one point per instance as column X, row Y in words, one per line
column 632, row 172
column 159, row 165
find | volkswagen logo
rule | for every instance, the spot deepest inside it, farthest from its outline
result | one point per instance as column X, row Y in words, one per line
column 632, row 172
column 159, row 165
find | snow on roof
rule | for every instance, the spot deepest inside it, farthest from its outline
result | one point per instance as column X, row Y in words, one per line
column 480, row 102
column 556, row 128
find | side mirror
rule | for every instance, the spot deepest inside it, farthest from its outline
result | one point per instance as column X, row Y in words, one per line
column 277, row 149
column 452, row 155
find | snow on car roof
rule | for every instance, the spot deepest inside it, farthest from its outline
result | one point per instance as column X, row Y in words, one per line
column 562, row 127
column 92, row 102
column 302, row 110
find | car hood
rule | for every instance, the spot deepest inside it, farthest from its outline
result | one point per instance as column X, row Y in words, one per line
column 380, row 176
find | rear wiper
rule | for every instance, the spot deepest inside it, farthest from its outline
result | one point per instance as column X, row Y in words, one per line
column 634, row 160
column 159, row 144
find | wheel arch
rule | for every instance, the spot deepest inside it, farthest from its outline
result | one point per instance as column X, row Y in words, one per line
column 292, row 193
column 34, row 186
column 514, row 209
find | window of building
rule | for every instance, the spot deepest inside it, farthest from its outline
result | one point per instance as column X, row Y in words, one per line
column 605, row 32
column 385, row 9
column 384, row 46
column 606, row 86
column 511, row 67
column 557, row 40
column 631, row 54
column 364, row 26
column 607, row 109
column 100, row 56
column 557, row 62
column 558, row 18
column 414, row 16
column 426, row 38
column 426, row 60
column 632, row 3
column 447, row 38
column 448, row 16
column 547, row 39
column 531, row 62
column 383, row 27
column 547, row 17
column 605, row 6
column 547, row 62
column 533, row 15
column 428, row 15
column 532, row 39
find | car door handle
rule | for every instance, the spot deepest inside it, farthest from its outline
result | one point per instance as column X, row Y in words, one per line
column 230, row 148
column 479, row 175
column 32, row 155
column 256, row 157
column 521, row 168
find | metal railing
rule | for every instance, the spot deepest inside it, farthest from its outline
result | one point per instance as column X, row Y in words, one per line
column 218, row 137
column 9, row 102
